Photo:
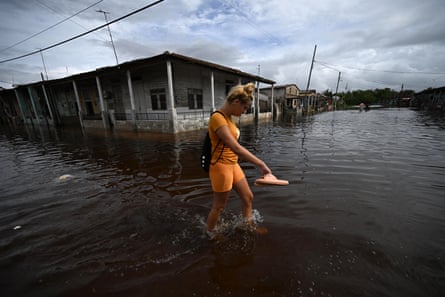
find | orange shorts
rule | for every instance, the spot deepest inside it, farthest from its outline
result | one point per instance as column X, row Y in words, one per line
column 223, row 176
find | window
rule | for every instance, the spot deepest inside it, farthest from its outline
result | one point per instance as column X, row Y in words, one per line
column 194, row 98
column 158, row 99
column 229, row 85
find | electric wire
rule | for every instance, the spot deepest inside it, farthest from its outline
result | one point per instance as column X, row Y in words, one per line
column 56, row 11
column 375, row 70
column 345, row 74
column 82, row 34
column 50, row 27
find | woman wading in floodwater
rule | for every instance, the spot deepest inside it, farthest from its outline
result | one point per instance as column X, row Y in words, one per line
column 225, row 172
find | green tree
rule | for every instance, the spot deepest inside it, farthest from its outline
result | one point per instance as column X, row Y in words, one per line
column 377, row 96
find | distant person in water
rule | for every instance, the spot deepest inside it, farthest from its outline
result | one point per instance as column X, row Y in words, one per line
column 363, row 107
column 225, row 172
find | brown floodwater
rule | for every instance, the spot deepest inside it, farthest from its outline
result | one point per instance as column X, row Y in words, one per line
column 122, row 214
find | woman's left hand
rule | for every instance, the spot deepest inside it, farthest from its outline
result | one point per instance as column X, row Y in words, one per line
column 264, row 169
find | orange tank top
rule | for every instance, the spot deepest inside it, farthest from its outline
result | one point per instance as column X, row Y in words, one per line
column 223, row 152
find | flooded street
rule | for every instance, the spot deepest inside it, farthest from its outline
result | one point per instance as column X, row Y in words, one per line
column 122, row 214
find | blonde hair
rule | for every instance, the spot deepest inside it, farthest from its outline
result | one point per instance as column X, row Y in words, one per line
column 244, row 93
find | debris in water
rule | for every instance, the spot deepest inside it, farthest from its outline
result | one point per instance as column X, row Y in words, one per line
column 66, row 177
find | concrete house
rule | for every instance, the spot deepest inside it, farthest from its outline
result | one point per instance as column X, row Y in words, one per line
column 167, row 93
column 286, row 97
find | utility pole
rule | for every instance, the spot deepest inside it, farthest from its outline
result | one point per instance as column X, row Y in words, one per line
column 338, row 81
column 44, row 66
column 336, row 90
column 310, row 74
column 109, row 31
column 257, row 103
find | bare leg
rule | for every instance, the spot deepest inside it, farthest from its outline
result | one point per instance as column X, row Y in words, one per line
column 219, row 203
column 242, row 188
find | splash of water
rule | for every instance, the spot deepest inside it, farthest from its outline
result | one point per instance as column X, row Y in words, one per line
column 229, row 222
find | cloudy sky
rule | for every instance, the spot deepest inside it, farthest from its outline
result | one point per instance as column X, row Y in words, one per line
column 374, row 44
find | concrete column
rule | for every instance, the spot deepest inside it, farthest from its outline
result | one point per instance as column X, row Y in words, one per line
column 130, row 90
column 257, row 101
column 272, row 99
column 48, row 105
column 171, row 96
column 19, row 102
column 133, row 106
column 103, row 113
column 212, row 88
column 33, row 105
column 79, row 107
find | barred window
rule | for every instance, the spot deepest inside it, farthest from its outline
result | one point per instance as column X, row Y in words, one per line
column 194, row 98
column 158, row 99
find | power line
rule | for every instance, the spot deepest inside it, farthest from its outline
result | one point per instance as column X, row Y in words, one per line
column 50, row 27
column 63, row 15
column 375, row 70
column 327, row 66
column 83, row 34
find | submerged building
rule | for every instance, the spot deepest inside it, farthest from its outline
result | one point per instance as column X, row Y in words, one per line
column 167, row 93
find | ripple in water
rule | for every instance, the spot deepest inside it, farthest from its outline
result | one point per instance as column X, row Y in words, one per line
column 362, row 216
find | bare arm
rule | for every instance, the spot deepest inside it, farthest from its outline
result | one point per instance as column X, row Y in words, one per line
column 227, row 138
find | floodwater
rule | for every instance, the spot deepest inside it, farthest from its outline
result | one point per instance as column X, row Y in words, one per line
column 122, row 214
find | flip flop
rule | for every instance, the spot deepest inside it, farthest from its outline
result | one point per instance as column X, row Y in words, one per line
column 270, row 179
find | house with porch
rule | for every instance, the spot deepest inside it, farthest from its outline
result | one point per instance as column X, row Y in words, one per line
column 286, row 97
column 167, row 93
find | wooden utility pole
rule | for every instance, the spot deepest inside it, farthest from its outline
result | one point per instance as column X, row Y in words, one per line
column 310, row 72
column 336, row 90
column 109, row 32
column 306, row 106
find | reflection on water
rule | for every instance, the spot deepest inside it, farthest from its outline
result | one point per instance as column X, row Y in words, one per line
column 363, row 214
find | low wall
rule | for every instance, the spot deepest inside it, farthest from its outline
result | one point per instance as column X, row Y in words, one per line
column 155, row 126
column 167, row 126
